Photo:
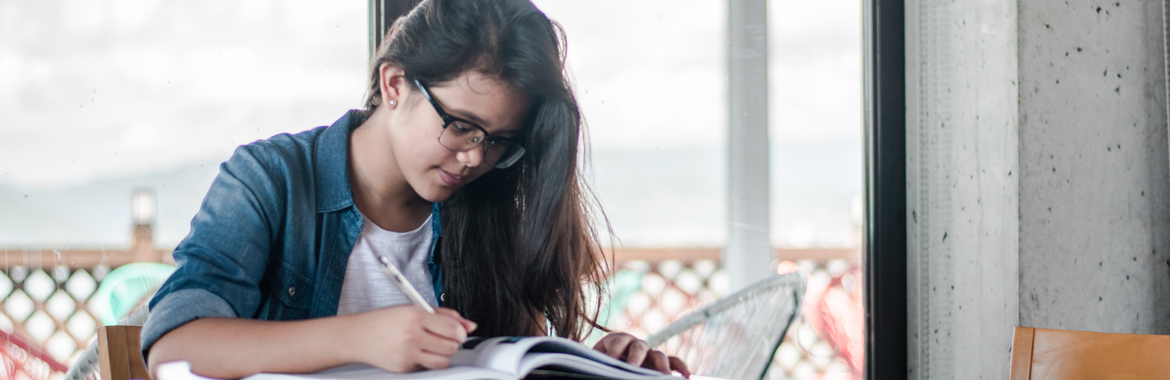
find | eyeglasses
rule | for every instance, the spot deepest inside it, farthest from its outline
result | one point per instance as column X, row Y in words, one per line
column 461, row 135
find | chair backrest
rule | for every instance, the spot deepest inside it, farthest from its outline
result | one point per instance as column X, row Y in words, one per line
column 1043, row 354
column 737, row 336
column 94, row 362
column 121, row 353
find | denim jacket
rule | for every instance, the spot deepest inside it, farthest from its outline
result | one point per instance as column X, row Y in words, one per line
column 273, row 236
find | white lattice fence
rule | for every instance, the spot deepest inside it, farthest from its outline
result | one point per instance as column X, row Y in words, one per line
column 49, row 306
column 663, row 291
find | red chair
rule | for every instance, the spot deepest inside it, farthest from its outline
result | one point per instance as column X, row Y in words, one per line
column 23, row 359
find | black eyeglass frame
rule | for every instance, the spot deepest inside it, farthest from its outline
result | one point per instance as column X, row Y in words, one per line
column 491, row 140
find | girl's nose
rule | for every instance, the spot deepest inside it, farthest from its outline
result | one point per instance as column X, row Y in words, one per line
column 472, row 157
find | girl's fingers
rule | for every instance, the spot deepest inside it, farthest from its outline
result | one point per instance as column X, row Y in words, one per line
column 445, row 326
column 442, row 347
column 448, row 312
column 467, row 324
column 434, row 344
column 656, row 360
column 677, row 364
column 600, row 345
column 636, row 353
column 431, row 360
column 439, row 344
column 615, row 345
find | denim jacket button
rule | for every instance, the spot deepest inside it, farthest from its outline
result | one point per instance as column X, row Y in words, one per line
column 292, row 290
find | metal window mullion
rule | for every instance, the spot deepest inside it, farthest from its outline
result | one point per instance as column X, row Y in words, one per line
column 748, row 255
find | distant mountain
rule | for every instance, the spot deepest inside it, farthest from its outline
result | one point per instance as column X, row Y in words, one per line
column 677, row 196
column 97, row 214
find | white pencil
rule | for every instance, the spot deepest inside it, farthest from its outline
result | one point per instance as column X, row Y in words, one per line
column 398, row 279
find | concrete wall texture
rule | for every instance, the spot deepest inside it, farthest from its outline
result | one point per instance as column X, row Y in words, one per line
column 1039, row 176
column 1093, row 164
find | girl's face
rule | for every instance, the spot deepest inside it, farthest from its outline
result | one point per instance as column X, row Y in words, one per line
column 432, row 170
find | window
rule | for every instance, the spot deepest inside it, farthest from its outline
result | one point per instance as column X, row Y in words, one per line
column 652, row 82
column 109, row 105
column 106, row 101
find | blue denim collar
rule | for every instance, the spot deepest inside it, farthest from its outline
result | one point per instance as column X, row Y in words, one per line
column 331, row 169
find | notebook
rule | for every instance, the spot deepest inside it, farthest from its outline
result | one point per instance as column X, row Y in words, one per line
column 500, row 358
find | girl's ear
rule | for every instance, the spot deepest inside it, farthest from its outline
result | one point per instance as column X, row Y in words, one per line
column 393, row 84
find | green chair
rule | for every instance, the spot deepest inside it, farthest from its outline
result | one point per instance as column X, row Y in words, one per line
column 127, row 287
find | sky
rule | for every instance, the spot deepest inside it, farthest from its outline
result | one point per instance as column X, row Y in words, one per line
column 98, row 88
column 99, row 97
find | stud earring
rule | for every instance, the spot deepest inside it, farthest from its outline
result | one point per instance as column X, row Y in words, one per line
column 393, row 103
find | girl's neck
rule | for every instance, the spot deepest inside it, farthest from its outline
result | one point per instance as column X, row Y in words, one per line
column 380, row 191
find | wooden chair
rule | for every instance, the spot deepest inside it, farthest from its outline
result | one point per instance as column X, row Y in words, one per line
column 1043, row 354
column 120, row 353
column 116, row 354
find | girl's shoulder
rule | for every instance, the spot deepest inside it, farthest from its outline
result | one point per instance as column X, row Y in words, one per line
column 313, row 163
column 286, row 147
column 326, row 147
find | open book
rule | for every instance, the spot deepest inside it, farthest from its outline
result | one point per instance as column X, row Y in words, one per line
column 501, row 358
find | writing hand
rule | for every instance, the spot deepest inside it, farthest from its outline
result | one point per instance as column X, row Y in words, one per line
column 630, row 349
column 406, row 338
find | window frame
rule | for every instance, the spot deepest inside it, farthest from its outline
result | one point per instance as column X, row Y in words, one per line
column 382, row 15
column 884, row 242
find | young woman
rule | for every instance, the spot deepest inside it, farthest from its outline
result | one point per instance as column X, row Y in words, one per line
column 462, row 170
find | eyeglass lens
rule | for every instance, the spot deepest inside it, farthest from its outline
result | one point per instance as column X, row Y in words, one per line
column 461, row 137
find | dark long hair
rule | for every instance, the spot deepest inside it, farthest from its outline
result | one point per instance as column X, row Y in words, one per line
column 518, row 245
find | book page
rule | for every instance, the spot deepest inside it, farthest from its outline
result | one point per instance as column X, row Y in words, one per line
column 181, row 370
column 499, row 358
column 576, row 364
column 520, row 355
column 595, row 358
column 499, row 353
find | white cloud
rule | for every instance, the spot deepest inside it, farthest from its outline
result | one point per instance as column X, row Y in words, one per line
column 131, row 86
column 648, row 73
column 659, row 68
column 84, row 16
column 131, row 15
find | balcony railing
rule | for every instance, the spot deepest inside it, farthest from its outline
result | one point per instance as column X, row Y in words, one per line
column 47, row 298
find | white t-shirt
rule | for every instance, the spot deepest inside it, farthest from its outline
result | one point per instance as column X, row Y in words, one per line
column 366, row 287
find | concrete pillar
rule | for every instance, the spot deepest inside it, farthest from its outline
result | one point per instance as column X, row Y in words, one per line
column 962, row 174
column 1038, row 176
column 748, row 255
column 1094, row 223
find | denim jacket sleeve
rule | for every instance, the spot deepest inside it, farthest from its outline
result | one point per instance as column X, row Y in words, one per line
column 223, row 259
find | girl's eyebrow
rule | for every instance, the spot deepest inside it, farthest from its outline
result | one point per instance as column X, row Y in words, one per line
column 507, row 133
column 467, row 115
column 472, row 117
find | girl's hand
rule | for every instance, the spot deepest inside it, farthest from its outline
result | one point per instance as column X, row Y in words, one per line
column 627, row 348
column 406, row 338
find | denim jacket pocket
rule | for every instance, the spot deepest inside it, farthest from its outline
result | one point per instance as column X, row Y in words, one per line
column 293, row 289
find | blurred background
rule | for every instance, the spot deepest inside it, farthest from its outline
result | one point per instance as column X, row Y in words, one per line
column 115, row 114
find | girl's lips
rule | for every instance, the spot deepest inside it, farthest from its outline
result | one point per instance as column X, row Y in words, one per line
column 450, row 179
